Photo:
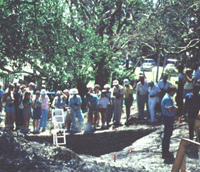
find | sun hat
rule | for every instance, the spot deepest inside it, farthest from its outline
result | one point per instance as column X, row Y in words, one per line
column 115, row 82
column 89, row 85
column 126, row 82
column 58, row 92
column 106, row 86
column 73, row 91
column 66, row 91
column 31, row 84
column 43, row 92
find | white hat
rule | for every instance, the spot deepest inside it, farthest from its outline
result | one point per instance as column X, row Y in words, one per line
column 126, row 82
column 43, row 92
column 89, row 85
column 106, row 86
column 66, row 91
column 59, row 92
column 73, row 91
column 31, row 84
column 115, row 82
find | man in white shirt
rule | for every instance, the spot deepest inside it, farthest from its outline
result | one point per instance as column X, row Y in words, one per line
column 142, row 96
column 163, row 84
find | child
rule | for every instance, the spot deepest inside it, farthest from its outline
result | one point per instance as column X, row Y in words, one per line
column 27, row 113
column 36, row 112
column 103, row 103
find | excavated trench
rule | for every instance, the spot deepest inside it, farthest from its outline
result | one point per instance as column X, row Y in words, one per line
column 99, row 143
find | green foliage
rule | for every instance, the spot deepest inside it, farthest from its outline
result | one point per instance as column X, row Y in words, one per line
column 67, row 43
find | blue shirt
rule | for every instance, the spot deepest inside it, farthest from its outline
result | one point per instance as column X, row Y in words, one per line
column 75, row 102
column 167, row 103
column 192, row 104
column 92, row 101
column 1, row 94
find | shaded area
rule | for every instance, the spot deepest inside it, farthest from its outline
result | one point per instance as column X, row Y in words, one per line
column 103, row 143
column 99, row 143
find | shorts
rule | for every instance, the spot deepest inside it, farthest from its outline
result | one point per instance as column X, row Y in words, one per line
column 9, row 108
column 37, row 113
column 27, row 113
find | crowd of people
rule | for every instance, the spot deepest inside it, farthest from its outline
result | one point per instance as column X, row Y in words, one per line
column 106, row 105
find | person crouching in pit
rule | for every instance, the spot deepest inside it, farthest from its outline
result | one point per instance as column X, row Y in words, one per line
column 75, row 105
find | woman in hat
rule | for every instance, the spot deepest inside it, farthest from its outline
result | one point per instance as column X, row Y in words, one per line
column 153, row 93
column 75, row 105
column 44, row 110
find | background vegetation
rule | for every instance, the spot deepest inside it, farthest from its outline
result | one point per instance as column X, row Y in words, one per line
column 69, row 42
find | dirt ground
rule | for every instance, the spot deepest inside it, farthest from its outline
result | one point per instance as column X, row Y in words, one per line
column 125, row 150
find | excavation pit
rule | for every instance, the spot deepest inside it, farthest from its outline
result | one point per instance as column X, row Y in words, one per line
column 98, row 143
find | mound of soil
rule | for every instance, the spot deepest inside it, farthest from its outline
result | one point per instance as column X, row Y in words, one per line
column 18, row 154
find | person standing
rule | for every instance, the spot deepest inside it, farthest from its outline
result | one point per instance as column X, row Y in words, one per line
column 17, row 93
column 92, row 101
column 179, row 94
column 67, row 110
column 1, row 95
column 168, row 111
column 152, row 99
column 103, row 104
column 36, row 112
column 128, row 95
column 27, row 111
column 142, row 96
column 109, row 110
column 98, row 93
column 75, row 105
column 21, row 107
column 44, row 110
column 31, row 89
column 8, row 98
column 59, row 101
column 192, row 107
column 118, row 93
column 163, row 84
column 189, row 82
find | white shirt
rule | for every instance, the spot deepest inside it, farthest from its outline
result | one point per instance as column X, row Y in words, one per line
column 163, row 86
column 119, row 90
column 103, row 102
column 153, row 91
column 142, row 89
